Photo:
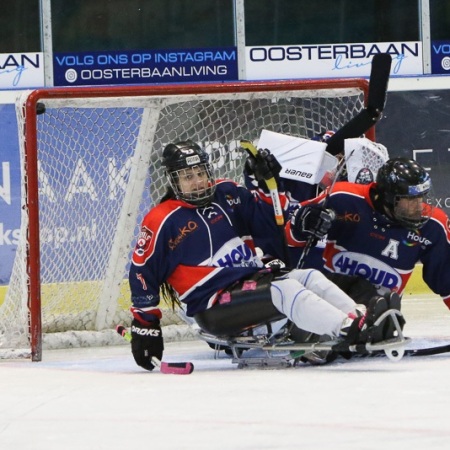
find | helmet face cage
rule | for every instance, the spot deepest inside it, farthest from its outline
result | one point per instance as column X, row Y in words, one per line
column 415, row 212
column 189, row 172
column 405, row 189
column 202, row 189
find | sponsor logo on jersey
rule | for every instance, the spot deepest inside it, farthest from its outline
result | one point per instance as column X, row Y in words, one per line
column 216, row 219
column 143, row 241
column 236, row 254
column 349, row 217
column 232, row 200
column 378, row 236
column 414, row 238
column 372, row 269
column 190, row 227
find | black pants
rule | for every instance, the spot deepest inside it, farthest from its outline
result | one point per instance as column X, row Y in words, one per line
column 240, row 308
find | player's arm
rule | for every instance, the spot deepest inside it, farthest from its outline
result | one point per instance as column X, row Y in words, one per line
column 148, row 271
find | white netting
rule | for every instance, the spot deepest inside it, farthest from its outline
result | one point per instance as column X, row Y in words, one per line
column 99, row 172
column 364, row 159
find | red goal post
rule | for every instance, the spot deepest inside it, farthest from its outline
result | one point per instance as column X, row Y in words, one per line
column 90, row 171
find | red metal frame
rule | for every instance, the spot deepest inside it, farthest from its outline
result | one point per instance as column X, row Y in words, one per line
column 33, row 254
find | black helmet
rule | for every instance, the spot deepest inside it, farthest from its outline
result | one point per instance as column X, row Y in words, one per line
column 404, row 178
column 187, row 155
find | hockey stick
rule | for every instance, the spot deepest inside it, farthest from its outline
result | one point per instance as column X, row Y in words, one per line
column 181, row 368
column 367, row 118
column 312, row 240
column 428, row 351
column 379, row 78
column 273, row 189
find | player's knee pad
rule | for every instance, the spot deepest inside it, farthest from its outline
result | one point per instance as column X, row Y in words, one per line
column 308, row 277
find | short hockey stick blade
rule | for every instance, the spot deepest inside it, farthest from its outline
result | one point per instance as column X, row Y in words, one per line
column 378, row 84
column 179, row 368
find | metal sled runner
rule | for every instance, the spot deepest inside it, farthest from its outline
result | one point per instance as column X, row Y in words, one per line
column 273, row 341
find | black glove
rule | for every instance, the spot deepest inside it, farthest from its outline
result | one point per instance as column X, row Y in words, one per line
column 311, row 220
column 146, row 342
column 263, row 166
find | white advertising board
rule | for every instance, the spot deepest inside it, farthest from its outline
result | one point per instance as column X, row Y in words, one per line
column 330, row 61
column 21, row 70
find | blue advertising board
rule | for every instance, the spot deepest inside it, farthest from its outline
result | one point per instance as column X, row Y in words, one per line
column 138, row 67
column 440, row 57
column 9, row 190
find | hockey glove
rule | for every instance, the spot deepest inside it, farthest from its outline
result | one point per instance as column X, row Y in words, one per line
column 146, row 342
column 263, row 166
column 311, row 221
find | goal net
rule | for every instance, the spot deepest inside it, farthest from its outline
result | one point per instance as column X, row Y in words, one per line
column 91, row 170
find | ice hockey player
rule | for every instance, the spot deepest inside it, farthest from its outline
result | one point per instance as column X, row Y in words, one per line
column 381, row 230
column 363, row 164
column 197, row 246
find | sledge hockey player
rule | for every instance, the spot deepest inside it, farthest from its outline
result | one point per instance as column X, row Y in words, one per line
column 360, row 161
column 381, row 230
column 197, row 245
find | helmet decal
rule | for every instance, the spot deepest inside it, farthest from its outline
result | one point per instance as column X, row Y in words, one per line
column 420, row 188
column 193, row 160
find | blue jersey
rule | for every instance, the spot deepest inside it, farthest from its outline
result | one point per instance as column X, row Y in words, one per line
column 364, row 242
column 201, row 251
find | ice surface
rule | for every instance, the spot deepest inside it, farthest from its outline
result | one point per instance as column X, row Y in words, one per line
column 99, row 399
